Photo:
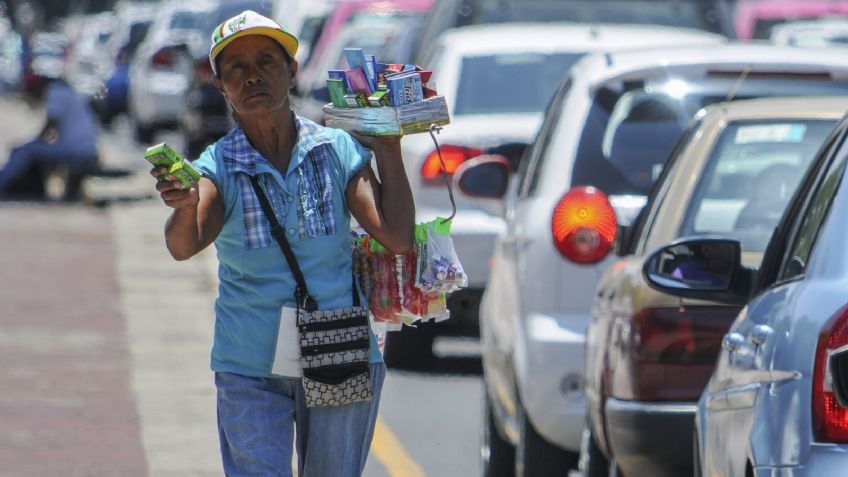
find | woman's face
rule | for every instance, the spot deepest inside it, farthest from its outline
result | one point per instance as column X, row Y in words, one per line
column 255, row 76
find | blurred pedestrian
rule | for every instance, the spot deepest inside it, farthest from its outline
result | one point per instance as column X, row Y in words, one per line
column 68, row 138
column 311, row 179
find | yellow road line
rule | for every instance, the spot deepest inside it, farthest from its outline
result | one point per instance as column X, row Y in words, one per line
column 390, row 452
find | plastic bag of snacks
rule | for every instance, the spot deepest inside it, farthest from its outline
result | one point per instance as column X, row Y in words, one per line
column 391, row 282
column 439, row 268
column 382, row 99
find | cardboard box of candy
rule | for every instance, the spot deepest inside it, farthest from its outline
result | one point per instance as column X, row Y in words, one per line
column 388, row 120
column 382, row 99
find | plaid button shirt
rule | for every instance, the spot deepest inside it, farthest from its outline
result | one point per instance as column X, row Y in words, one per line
column 313, row 179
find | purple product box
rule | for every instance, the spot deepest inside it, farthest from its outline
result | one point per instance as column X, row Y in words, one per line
column 358, row 82
column 339, row 74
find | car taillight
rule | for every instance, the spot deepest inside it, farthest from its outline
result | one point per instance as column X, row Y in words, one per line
column 830, row 417
column 164, row 58
column 667, row 353
column 432, row 171
column 584, row 225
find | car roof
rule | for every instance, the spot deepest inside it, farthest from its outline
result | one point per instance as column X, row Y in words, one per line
column 833, row 107
column 564, row 36
column 728, row 58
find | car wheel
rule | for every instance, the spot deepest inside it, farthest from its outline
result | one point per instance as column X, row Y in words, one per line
column 411, row 347
column 593, row 462
column 536, row 457
column 497, row 455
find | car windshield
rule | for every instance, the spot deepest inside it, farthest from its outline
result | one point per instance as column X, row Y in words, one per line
column 232, row 8
column 752, row 173
column 633, row 125
column 530, row 78
column 189, row 20
column 701, row 15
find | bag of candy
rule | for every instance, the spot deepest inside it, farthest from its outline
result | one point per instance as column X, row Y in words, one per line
column 440, row 269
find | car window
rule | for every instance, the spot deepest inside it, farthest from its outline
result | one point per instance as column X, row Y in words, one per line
column 751, row 174
column 633, row 124
column 644, row 221
column 531, row 165
column 795, row 262
column 189, row 20
column 483, row 80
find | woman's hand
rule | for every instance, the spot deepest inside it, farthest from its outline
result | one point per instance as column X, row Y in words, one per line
column 172, row 192
column 383, row 146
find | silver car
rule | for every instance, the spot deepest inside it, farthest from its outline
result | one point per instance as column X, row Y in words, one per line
column 777, row 402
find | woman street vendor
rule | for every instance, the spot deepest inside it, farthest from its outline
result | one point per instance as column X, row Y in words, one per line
column 315, row 178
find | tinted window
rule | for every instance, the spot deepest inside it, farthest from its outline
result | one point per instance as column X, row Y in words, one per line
column 531, row 166
column 751, row 175
column 189, row 21
column 633, row 125
column 700, row 15
column 529, row 78
column 232, row 8
column 813, row 218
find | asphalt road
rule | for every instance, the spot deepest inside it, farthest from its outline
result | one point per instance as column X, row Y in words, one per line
column 105, row 341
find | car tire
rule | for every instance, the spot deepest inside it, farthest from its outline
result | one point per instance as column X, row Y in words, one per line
column 593, row 462
column 536, row 457
column 410, row 348
column 497, row 455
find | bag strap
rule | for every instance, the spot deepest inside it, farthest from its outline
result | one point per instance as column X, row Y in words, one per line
column 301, row 293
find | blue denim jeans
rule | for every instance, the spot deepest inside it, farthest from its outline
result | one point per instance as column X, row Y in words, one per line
column 23, row 157
column 257, row 417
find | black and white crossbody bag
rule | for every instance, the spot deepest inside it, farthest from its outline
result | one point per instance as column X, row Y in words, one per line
column 333, row 343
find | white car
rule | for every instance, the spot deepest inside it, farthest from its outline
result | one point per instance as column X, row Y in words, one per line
column 496, row 79
column 159, row 73
column 611, row 125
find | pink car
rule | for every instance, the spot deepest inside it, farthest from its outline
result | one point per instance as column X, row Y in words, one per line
column 754, row 18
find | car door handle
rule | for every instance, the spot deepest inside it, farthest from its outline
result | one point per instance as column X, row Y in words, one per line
column 759, row 334
column 732, row 341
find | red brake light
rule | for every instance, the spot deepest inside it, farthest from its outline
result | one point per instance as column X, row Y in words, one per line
column 584, row 225
column 164, row 58
column 431, row 169
column 830, row 419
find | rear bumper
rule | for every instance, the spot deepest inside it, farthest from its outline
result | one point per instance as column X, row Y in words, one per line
column 550, row 365
column 649, row 438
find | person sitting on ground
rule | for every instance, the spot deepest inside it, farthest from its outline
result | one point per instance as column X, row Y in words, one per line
column 68, row 137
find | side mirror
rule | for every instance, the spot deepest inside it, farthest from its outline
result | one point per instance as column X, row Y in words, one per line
column 700, row 268
column 483, row 177
column 512, row 151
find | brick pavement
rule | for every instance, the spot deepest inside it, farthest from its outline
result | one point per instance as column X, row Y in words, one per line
column 66, row 407
column 105, row 368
